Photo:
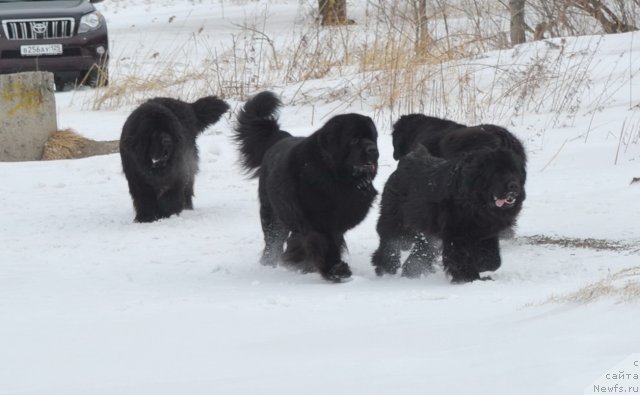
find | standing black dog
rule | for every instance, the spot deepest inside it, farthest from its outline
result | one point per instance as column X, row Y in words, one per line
column 312, row 190
column 465, row 196
column 159, row 153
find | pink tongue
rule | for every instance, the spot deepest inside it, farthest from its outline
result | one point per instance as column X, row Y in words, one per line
column 500, row 202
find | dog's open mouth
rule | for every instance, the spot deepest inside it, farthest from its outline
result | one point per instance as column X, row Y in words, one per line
column 507, row 201
column 368, row 169
column 159, row 162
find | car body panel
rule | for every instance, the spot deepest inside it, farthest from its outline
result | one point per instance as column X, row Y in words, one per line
column 37, row 23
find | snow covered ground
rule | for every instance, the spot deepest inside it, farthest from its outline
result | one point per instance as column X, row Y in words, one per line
column 91, row 303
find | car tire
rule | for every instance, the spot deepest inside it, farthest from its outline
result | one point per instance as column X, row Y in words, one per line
column 59, row 84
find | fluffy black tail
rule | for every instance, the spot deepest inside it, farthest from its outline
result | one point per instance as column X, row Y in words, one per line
column 257, row 129
column 208, row 110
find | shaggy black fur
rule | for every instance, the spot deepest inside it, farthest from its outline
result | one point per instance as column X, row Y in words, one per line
column 464, row 198
column 159, row 153
column 444, row 138
column 312, row 190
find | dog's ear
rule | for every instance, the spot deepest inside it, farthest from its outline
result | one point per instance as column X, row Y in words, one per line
column 472, row 172
column 399, row 138
column 328, row 142
column 523, row 168
column 325, row 141
column 442, row 179
column 436, row 175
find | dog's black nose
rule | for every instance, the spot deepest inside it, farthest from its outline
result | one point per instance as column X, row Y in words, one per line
column 372, row 152
column 513, row 186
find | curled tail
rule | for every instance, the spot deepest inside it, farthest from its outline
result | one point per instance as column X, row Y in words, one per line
column 208, row 110
column 257, row 129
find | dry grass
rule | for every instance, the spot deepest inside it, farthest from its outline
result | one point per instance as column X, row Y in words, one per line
column 622, row 286
column 403, row 64
column 384, row 42
column 589, row 243
column 68, row 144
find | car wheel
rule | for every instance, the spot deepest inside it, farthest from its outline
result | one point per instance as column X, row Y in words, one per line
column 59, row 83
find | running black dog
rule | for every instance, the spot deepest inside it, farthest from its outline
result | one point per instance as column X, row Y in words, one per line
column 312, row 190
column 160, row 156
column 461, row 185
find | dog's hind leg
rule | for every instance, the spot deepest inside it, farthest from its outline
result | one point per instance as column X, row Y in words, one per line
column 393, row 239
column 188, row 195
column 275, row 234
column 298, row 255
column 420, row 260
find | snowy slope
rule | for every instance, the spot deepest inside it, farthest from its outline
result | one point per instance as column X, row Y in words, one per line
column 91, row 303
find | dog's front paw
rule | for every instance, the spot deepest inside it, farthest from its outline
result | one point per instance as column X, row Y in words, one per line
column 382, row 270
column 338, row 272
column 416, row 268
column 462, row 278
column 385, row 263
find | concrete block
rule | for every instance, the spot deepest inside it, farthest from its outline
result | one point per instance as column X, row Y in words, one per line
column 27, row 115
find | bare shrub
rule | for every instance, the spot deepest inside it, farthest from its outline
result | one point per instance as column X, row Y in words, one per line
column 558, row 18
column 407, row 56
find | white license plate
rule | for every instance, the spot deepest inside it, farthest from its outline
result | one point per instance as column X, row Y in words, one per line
column 37, row 50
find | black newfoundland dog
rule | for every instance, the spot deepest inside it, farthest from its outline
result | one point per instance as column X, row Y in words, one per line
column 455, row 184
column 159, row 153
column 311, row 190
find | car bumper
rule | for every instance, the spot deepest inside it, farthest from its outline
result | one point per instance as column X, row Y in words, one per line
column 79, row 53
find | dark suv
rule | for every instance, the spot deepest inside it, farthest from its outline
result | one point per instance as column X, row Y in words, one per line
column 66, row 37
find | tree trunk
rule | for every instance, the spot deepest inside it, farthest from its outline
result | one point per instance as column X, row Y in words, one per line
column 423, row 38
column 517, row 22
column 333, row 12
